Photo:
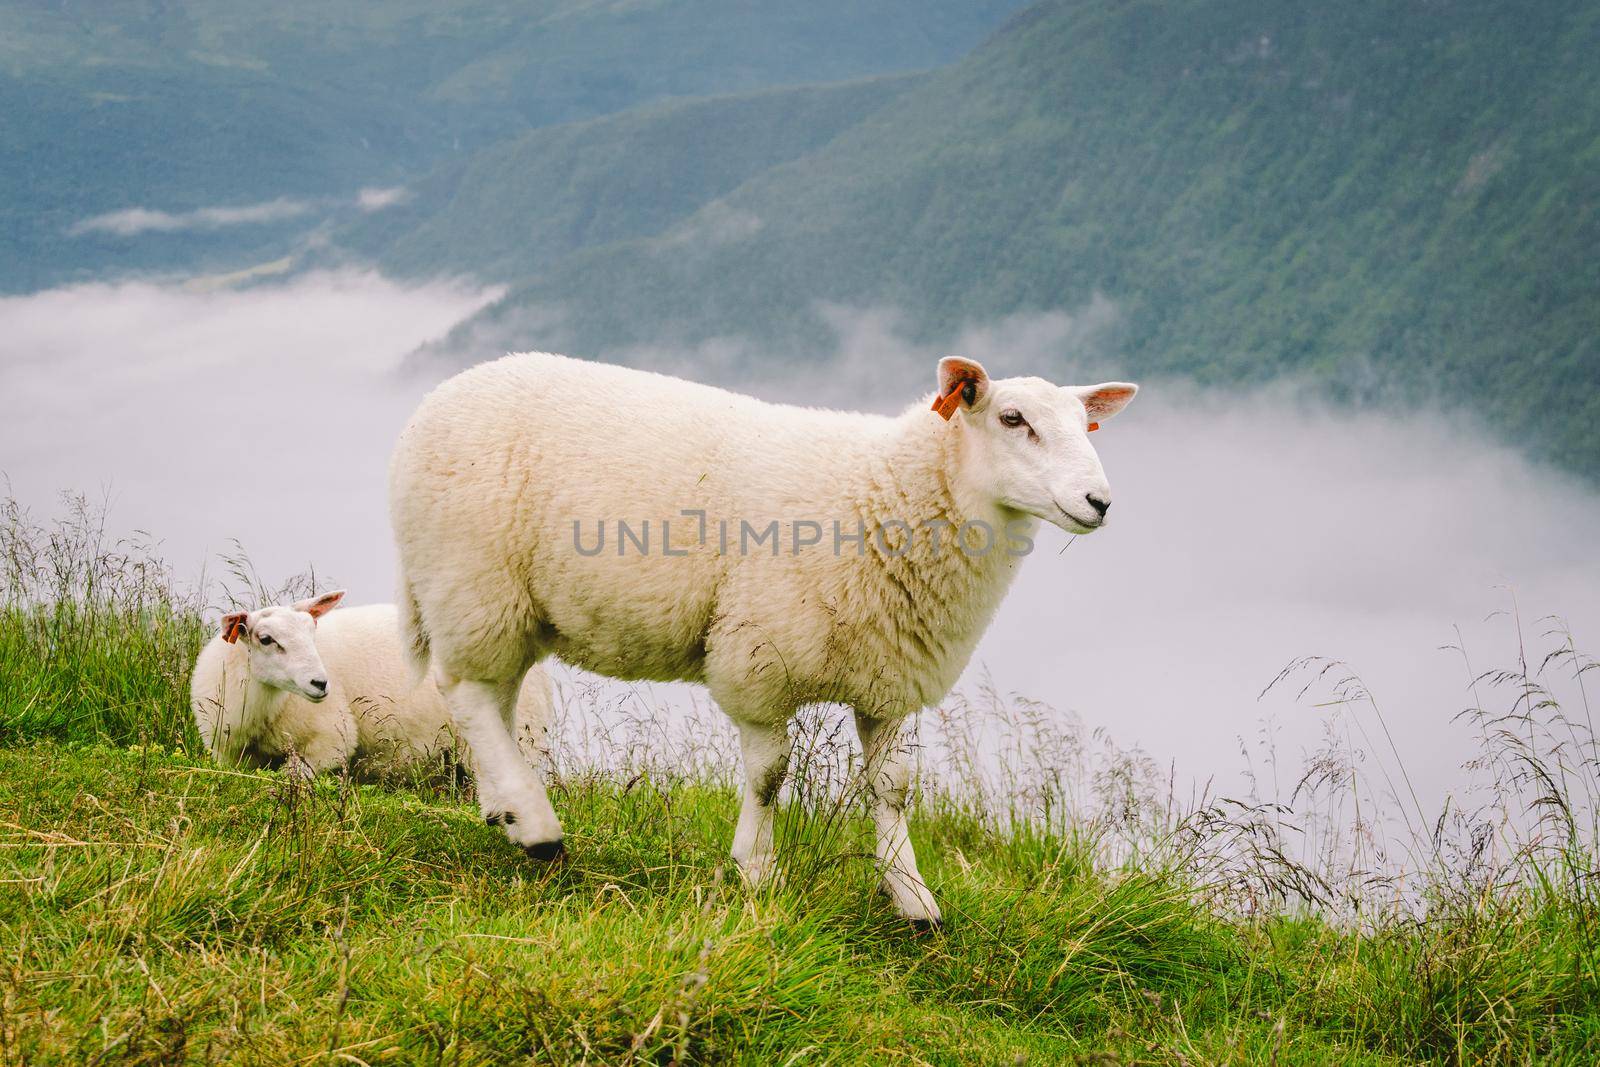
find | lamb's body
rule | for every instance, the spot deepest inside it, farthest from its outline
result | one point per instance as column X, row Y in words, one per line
column 374, row 715
column 500, row 463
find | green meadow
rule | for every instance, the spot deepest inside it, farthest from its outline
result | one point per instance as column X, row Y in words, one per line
column 157, row 909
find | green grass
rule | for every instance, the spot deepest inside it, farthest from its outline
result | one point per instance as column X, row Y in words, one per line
column 69, row 673
column 95, row 640
column 156, row 909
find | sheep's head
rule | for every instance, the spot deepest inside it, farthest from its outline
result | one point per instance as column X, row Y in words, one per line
column 282, row 644
column 1026, row 441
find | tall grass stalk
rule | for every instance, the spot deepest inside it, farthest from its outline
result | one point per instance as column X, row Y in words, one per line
column 96, row 639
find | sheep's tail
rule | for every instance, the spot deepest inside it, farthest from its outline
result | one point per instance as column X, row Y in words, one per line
column 414, row 636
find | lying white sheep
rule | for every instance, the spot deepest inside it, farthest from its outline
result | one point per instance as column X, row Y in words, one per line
column 287, row 685
column 505, row 475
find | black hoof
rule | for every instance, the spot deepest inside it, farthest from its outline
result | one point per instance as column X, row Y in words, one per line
column 501, row 818
column 546, row 851
column 926, row 926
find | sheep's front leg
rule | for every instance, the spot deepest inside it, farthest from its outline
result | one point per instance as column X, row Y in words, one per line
column 511, row 794
column 765, row 749
column 888, row 780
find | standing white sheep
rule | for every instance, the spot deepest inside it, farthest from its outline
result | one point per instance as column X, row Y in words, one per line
column 510, row 472
column 285, row 685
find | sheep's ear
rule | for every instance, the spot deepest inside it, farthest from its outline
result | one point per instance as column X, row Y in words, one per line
column 319, row 606
column 1106, row 399
column 233, row 625
column 962, row 382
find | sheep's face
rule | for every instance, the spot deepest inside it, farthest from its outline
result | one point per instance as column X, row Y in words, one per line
column 282, row 644
column 1027, row 442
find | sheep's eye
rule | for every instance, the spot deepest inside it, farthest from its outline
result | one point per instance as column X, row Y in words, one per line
column 267, row 642
column 1012, row 417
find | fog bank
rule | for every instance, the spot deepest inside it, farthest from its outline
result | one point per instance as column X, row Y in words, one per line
column 1251, row 526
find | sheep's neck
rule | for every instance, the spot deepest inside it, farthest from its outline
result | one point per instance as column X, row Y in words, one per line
column 940, row 598
column 919, row 483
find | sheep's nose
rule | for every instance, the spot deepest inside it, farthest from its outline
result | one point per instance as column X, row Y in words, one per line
column 1100, row 504
column 319, row 684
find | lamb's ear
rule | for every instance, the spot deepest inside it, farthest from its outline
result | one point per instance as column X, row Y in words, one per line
column 233, row 625
column 1106, row 399
column 319, row 606
column 962, row 382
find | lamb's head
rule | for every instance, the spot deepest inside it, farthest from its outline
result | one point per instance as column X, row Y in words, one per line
column 281, row 642
column 1026, row 443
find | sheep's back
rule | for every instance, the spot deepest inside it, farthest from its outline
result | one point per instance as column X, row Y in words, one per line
column 517, row 483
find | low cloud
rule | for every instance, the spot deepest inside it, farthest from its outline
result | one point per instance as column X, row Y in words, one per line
column 504, row 326
column 1251, row 526
column 138, row 220
column 872, row 362
column 264, row 414
column 718, row 223
column 370, row 200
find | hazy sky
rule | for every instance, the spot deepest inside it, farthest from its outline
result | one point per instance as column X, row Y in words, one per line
column 1251, row 527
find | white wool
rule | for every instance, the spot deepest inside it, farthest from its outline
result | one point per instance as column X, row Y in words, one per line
column 374, row 715
column 509, row 467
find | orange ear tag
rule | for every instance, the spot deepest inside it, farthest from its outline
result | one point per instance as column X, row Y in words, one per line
column 946, row 405
column 233, row 626
column 1093, row 426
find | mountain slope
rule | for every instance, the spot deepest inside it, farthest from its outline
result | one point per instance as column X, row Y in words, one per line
column 1405, row 197
column 604, row 55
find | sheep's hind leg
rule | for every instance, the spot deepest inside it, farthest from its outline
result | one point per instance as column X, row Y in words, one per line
column 888, row 779
column 511, row 794
column 765, row 749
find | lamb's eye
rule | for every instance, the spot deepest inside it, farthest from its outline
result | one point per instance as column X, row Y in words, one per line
column 267, row 642
column 1012, row 417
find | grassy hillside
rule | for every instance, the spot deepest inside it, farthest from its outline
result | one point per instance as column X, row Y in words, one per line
column 181, row 106
column 1401, row 197
column 155, row 909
